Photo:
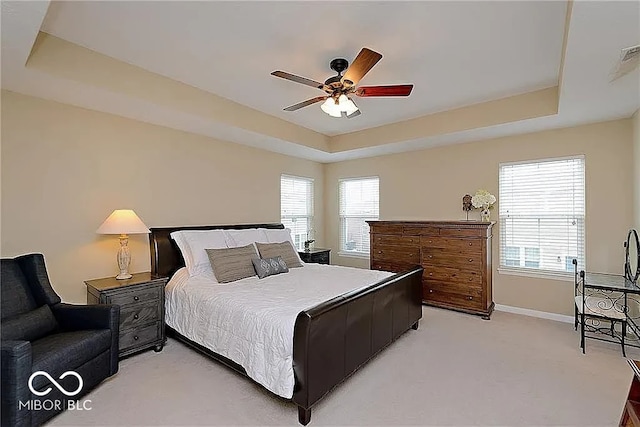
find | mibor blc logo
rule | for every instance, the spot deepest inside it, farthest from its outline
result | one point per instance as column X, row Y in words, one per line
column 57, row 404
column 55, row 383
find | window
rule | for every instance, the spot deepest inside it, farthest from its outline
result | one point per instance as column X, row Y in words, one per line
column 532, row 257
column 542, row 216
column 296, row 207
column 359, row 202
column 512, row 256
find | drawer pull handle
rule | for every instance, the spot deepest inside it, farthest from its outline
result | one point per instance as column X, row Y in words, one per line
column 379, row 252
column 469, row 298
column 430, row 256
column 454, row 275
column 430, row 274
column 135, row 316
column 470, row 259
column 430, row 291
column 470, row 279
column 470, row 244
column 136, row 298
column 135, row 338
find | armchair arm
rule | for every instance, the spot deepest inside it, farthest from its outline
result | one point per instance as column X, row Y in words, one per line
column 72, row 317
column 15, row 358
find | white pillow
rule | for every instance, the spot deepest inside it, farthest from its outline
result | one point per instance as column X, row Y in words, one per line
column 279, row 236
column 192, row 244
column 238, row 238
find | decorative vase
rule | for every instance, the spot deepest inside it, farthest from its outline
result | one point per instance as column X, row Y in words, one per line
column 485, row 214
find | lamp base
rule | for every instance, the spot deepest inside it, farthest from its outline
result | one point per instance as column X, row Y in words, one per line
column 124, row 258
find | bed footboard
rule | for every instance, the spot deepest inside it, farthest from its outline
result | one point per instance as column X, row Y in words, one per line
column 333, row 339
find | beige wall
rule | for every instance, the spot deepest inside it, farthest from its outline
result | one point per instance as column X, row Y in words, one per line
column 65, row 169
column 636, row 169
column 429, row 184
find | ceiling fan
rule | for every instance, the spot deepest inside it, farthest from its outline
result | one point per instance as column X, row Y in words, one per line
column 337, row 102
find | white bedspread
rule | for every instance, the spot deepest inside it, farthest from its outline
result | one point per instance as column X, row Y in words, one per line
column 251, row 321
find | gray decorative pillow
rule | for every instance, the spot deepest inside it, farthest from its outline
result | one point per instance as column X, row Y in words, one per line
column 269, row 266
column 284, row 250
column 232, row 264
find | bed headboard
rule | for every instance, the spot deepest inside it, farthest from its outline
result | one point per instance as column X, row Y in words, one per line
column 166, row 258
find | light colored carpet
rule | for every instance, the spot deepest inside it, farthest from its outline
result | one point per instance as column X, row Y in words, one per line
column 455, row 370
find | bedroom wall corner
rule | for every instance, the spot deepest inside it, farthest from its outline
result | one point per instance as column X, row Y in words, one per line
column 64, row 169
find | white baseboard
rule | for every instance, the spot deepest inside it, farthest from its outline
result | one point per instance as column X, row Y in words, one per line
column 534, row 313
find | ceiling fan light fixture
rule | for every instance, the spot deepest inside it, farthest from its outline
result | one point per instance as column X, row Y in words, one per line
column 331, row 107
column 348, row 106
column 335, row 108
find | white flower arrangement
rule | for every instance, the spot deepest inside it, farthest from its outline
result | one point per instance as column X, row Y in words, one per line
column 483, row 200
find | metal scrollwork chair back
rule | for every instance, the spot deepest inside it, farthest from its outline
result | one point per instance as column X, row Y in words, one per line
column 597, row 311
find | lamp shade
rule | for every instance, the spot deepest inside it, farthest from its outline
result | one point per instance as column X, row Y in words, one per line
column 123, row 221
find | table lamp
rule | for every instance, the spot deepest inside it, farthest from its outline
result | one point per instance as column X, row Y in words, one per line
column 123, row 222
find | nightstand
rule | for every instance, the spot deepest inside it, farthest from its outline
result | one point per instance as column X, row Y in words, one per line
column 141, row 301
column 316, row 255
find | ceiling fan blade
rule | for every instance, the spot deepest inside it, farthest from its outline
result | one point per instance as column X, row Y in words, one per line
column 305, row 103
column 365, row 61
column 395, row 90
column 298, row 79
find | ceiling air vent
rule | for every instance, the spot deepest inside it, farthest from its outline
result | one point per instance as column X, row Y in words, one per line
column 629, row 60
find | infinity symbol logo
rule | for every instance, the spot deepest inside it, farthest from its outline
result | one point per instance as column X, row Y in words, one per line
column 55, row 383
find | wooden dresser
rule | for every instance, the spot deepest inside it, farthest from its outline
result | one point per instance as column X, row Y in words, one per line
column 455, row 255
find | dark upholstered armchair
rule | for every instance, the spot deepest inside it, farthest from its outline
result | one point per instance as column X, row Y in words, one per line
column 39, row 333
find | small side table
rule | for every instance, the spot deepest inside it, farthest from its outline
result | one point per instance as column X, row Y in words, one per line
column 141, row 301
column 316, row 255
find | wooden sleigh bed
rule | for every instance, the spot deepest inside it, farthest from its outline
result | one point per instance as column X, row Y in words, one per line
column 332, row 339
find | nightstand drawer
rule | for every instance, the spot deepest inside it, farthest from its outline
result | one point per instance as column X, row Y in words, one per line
column 140, row 314
column 142, row 295
column 317, row 255
column 138, row 337
column 322, row 258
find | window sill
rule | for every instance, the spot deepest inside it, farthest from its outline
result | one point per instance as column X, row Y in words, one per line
column 564, row 277
column 348, row 254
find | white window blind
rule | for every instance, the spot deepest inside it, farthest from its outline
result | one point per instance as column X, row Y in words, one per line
column 296, row 207
column 542, row 215
column 359, row 202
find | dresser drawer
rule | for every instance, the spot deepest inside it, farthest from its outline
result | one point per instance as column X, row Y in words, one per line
column 439, row 273
column 139, row 314
column 144, row 294
column 453, row 245
column 454, row 286
column 394, row 267
column 391, row 240
column 419, row 230
column 399, row 253
column 440, row 257
column 471, row 299
column 462, row 232
column 138, row 337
